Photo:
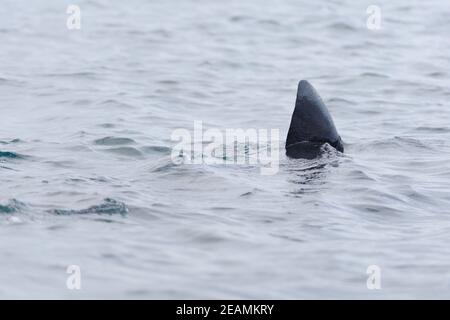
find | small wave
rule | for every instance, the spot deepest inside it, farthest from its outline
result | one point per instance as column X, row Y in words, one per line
column 107, row 125
column 341, row 26
column 7, row 168
column 269, row 22
column 81, row 74
column 113, row 141
column 396, row 144
column 168, row 82
column 166, row 164
column 108, row 207
column 157, row 149
column 117, row 104
column 240, row 18
column 374, row 75
column 11, row 82
column 357, row 174
column 12, row 206
column 11, row 141
column 340, row 101
column 10, row 155
column 162, row 33
column 438, row 74
column 380, row 209
column 80, row 102
column 125, row 151
column 434, row 129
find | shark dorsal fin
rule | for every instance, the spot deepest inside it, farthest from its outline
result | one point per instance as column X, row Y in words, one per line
column 311, row 121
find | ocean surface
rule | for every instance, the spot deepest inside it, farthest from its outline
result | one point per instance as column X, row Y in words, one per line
column 87, row 177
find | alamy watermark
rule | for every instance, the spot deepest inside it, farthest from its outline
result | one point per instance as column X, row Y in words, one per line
column 373, row 21
column 229, row 146
column 73, row 281
column 73, row 21
column 374, row 280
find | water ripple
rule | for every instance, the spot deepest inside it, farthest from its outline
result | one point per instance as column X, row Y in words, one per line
column 113, row 141
column 108, row 207
column 10, row 155
column 12, row 206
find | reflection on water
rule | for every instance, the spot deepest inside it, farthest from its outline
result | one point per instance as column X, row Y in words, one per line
column 312, row 174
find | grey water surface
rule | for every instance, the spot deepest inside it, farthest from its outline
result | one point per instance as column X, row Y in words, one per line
column 87, row 179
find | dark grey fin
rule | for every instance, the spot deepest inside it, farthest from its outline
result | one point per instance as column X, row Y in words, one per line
column 311, row 123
